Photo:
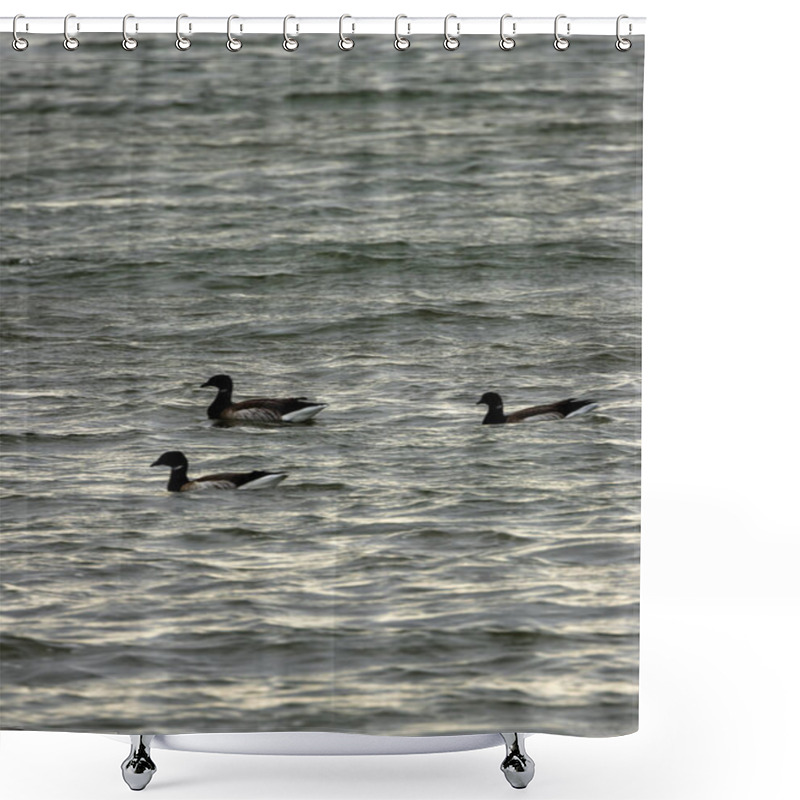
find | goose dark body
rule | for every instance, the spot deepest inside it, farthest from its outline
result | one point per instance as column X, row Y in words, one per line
column 560, row 410
column 180, row 482
column 260, row 410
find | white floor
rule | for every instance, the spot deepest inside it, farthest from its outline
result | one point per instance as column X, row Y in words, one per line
column 719, row 710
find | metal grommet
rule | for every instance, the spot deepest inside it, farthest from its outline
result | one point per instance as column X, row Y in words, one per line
column 400, row 42
column 344, row 42
column 506, row 41
column 181, row 42
column 233, row 44
column 128, row 42
column 451, row 42
column 289, row 44
column 18, row 43
column 623, row 44
column 560, row 42
column 70, row 42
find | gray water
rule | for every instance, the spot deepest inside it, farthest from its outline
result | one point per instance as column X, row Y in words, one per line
column 393, row 234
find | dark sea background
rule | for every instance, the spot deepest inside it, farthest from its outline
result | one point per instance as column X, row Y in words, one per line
column 393, row 234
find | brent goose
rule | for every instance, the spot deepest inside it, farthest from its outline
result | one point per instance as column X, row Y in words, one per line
column 179, row 482
column 560, row 410
column 265, row 409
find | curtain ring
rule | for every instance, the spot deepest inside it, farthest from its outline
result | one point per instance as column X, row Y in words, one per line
column 289, row 44
column 560, row 43
column 70, row 42
column 623, row 44
column 506, row 41
column 18, row 43
column 181, row 42
column 451, row 42
column 344, row 42
column 233, row 44
column 128, row 42
column 400, row 42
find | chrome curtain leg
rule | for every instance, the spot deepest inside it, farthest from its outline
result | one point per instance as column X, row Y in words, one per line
column 517, row 766
column 138, row 768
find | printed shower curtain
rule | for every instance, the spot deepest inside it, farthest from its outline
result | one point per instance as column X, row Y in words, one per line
column 383, row 244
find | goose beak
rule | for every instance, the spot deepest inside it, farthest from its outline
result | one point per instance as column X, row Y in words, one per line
column 202, row 385
column 156, row 463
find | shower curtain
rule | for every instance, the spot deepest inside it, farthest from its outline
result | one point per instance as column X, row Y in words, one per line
column 399, row 240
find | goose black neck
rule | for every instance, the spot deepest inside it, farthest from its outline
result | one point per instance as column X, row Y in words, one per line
column 221, row 402
column 494, row 416
column 177, row 478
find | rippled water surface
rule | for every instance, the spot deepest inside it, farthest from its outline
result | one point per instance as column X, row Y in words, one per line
column 392, row 234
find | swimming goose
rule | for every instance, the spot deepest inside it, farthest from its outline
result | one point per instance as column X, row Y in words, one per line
column 179, row 482
column 560, row 410
column 261, row 410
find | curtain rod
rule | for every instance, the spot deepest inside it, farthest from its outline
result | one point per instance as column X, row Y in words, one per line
column 403, row 26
